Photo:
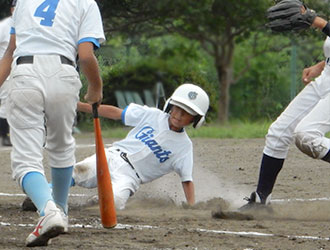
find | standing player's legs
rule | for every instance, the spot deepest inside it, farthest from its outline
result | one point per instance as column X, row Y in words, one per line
column 62, row 92
column 280, row 136
column 26, row 104
column 309, row 133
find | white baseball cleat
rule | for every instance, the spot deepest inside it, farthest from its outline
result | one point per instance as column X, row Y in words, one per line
column 49, row 226
column 65, row 219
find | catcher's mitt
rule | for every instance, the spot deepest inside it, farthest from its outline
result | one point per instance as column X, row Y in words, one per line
column 290, row 15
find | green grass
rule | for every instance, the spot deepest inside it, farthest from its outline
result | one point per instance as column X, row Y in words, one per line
column 233, row 129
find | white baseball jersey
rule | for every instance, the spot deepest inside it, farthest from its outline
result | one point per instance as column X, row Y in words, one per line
column 326, row 47
column 50, row 29
column 152, row 148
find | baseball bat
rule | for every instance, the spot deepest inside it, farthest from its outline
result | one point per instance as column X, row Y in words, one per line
column 104, row 186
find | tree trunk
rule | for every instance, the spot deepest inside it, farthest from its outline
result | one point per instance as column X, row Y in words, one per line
column 225, row 76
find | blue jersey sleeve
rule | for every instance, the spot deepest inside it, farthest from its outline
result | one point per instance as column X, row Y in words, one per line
column 92, row 40
column 123, row 115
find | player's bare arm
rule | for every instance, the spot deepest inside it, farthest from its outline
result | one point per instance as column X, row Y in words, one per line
column 107, row 111
column 312, row 72
column 189, row 191
column 89, row 67
column 319, row 23
column 5, row 62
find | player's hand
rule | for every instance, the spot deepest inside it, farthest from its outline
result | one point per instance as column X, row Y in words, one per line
column 306, row 76
column 310, row 73
column 93, row 95
column 186, row 205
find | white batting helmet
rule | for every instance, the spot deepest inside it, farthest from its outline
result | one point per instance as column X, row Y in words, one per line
column 192, row 99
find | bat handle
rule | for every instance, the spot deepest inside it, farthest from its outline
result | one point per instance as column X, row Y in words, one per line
column 95, row 113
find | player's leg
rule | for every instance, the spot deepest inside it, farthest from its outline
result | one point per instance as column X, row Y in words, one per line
column 125, row 182
column 121, row 196
column 62, row 92
column 280, row 136
column 309, row 133
column 84, row 173
column 50, row 224
column 123, row 179
column 4, row 132
column 61, row 178
column 4, row 127
column 26, row 119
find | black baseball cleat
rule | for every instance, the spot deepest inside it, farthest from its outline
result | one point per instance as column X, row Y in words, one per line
column 256, row 203
column 28, row 205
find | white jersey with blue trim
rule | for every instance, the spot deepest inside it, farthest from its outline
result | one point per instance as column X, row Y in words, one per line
column 48, row 27
column 5, row 25
column 326, row 47
column 152, row 148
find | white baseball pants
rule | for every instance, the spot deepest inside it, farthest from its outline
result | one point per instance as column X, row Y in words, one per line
column 280, row 133
column 123, row 178
column 41, row 104
column 3, row 96
column 309, row 133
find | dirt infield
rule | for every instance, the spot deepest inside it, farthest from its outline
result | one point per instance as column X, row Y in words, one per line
column 225, row 172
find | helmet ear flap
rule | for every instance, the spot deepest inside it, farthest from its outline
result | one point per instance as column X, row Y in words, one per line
column 167, row 106
column 198, row 121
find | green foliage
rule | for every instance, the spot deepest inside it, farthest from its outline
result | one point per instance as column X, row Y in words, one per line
column 233, row 129
column 172, row 60
column 143, row 50
column 5, row 8
column 144, row 75
column 265, row 89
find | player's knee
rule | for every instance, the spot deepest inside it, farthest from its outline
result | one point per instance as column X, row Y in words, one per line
column 275, row 135
column 84, row 175
column 310, row 145
column 120, row 203
column 121, row 197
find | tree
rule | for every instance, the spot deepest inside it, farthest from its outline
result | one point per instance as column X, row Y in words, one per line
column 5, row 8
column 218, row 25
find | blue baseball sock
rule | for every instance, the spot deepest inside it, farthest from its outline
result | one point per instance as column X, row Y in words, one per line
column 61, row 181
column 72, row 182
column 36, row 187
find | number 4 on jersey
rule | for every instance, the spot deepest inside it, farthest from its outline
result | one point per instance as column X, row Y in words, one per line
column 46, row 10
